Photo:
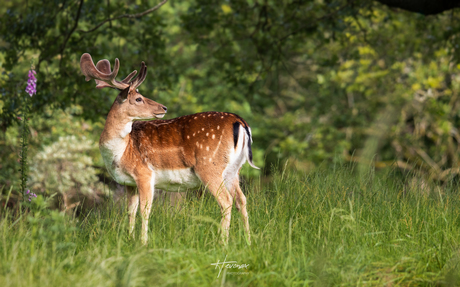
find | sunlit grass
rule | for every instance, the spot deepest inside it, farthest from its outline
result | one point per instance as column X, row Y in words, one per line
column 325, row 228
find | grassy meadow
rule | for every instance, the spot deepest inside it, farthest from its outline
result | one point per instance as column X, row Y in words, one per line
column 326, row 228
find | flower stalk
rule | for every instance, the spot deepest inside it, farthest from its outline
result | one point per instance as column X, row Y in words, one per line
column 31, row 89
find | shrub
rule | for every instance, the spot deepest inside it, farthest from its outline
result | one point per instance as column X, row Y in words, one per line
column 64, row 168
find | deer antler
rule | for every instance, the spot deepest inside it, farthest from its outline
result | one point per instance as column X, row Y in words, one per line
column 104, row 77
column 141, row 77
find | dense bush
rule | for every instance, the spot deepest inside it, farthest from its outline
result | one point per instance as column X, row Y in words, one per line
column 64, row 168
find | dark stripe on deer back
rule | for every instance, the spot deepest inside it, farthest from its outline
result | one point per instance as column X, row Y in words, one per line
column 243, row 122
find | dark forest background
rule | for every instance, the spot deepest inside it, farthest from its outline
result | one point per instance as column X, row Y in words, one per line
column 320, row 82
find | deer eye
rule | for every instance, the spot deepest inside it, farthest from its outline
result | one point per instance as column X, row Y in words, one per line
column 139, row 100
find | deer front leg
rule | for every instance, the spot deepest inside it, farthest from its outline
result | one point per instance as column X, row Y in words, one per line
column 133, row 204
column 145, row 184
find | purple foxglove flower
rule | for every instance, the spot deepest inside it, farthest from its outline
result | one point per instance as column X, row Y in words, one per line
column 31, row 195
column 31, row 83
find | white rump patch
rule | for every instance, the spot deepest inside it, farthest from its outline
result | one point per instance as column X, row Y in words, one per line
column 236, row 160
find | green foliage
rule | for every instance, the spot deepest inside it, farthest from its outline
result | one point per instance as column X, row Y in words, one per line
column 327, row 228
column 44, row 131
column 65, row 167
column 317, row 80
column 320, row 82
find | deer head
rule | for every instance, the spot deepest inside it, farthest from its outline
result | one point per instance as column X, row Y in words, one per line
column 129, row 101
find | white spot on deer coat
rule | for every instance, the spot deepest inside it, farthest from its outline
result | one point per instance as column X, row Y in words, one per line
column 218, row 145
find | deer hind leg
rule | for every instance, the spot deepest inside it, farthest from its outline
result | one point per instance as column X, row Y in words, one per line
column 133, row 204
column 219, row 191
column 240, row 202
column 145, row 184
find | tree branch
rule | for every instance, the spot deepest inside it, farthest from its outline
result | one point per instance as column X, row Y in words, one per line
column 425, row 7
column 126, row 16
column 77, row 18
column 312, row 25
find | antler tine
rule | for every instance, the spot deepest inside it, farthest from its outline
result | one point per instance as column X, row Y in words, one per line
column 104, row 67
column 90, row 71
column 115, row 83
column 141, row 77
column 103, row 78
column 129, row 77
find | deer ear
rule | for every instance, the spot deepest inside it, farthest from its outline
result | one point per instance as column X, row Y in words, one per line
column 123, row 95
column 132, row 94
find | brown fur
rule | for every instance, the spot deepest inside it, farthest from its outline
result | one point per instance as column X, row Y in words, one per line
column 190, row 140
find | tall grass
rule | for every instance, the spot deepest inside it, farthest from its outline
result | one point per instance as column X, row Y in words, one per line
column 327, row 228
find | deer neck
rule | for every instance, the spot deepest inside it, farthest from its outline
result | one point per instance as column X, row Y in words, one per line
column 117, row 126
column 116, row 136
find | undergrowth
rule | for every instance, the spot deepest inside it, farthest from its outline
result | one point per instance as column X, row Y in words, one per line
column 327, row 228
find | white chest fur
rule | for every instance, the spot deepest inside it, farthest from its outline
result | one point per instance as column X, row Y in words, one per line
column 112, row 152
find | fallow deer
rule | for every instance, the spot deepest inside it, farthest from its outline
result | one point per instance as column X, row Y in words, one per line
column 208, row 148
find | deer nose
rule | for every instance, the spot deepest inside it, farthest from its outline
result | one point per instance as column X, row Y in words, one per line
column 165, row 108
